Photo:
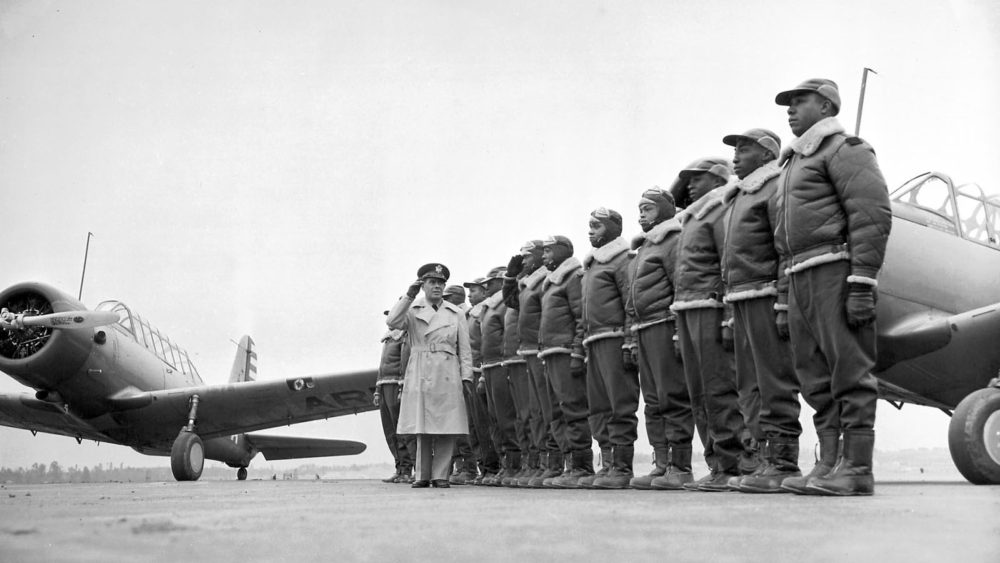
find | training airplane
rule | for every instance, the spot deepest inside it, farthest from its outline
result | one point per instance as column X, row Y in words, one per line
column 110, row 376
column 939, row 315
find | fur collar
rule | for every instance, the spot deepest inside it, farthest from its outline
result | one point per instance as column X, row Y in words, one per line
column 493, row 300
column 710, row 201
column 606, row 253
column 810, row 141
column 756, row 179
column 658, row 232
column 563, row 271
column 477, row 310
column 532, row 280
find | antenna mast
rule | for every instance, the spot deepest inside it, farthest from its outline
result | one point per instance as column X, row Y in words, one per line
column 86, row 252
column 861, row 100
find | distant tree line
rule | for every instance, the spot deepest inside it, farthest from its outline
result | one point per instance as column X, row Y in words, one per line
column 39, row 473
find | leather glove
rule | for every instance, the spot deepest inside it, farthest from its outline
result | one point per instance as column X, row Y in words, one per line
column 577, row 367
column 727, row 338
column 860, row 305
column 629, row 358
column 481, row 385
column 781, row 322
column 677, row 347
column 399, row 392
column 414, row 289
column 467, row 389
column 376, row 399
column 515, row 266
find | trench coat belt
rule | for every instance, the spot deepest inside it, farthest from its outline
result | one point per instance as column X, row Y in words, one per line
column 435, row 347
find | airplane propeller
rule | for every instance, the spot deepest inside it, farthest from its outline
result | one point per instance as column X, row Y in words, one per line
column 66, row 320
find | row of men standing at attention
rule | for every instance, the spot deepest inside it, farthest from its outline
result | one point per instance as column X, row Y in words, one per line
column 739, row 293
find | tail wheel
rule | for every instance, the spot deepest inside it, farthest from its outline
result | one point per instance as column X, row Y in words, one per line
column 974, row 437
column 241, row 474
column 187, row 457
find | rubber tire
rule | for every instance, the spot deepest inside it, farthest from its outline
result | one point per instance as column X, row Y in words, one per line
column 241, row 474
column 965, row 437
column 187, row 457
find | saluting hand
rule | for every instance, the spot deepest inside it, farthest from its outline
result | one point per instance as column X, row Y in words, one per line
column 515, row 266
column 414, row 289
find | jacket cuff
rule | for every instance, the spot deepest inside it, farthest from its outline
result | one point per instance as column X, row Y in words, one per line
column 781, row 306
column 855, row 278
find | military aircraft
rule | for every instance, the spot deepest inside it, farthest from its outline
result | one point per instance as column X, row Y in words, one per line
column 939, row 315
column 109, row 375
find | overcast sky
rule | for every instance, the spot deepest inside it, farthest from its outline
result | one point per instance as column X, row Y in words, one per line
column 282, row 169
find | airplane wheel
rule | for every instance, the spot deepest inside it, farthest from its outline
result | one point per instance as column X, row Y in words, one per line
column 974, row 437
column 241, row 474
column 187, row 457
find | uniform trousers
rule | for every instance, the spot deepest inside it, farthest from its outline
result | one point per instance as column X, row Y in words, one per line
column 520, row 390
column 668, row 415
column 434, row 456
column 402, row 446
column 764, row 363
column 711, row 381
column 501, row 405
column 612, row 394
column 480, row 434
column 550, row 428
column 833, row 361
column 570, row 391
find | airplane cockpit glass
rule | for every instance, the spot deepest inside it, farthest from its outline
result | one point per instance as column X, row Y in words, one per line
column 931, row 194
column 972, row 213
column 136, row 328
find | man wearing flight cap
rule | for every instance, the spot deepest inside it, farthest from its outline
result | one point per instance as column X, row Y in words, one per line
column 702, row 322
column 438, row 373
column 612, row 386
column 482, row 430
column 754, row 275
column 560, row 347
column 667, row 412
column 833, row 226
column 498, row 395
column 517, row 378
column 523, row 286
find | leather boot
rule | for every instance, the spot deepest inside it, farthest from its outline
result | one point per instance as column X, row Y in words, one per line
column 620, row 474
column 531, row 468
column 512, row 464
column 466, row 474
column 853, row 474
column 659, row 468
column 829, row 452
column 405, row 475
column 781, row 461
column 678, row 471
column 750, row 461
column 394, row 478
column 606, row 463
column 558, row 464
column 581, row 465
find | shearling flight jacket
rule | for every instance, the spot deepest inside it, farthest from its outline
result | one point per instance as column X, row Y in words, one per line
column 561, row 328
column 833, row 203
column 651, row 274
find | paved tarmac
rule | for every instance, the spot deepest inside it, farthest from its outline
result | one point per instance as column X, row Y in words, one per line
column 366, row 520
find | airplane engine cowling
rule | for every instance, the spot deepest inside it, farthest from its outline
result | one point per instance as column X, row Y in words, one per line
column 41, row 357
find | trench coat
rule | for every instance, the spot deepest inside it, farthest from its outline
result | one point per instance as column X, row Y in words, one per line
column 440, row 358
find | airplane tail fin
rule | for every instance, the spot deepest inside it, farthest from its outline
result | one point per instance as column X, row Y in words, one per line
column 245, row 364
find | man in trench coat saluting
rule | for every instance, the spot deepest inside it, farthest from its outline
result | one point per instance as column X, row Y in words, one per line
column 438, row 371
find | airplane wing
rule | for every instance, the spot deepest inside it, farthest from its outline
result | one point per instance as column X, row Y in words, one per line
column 28, row 413
column 287, row 447
column 238, row 407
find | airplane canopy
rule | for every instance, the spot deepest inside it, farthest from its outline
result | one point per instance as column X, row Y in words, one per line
column 136, row 327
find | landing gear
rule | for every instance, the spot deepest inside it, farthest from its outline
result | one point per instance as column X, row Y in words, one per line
column 974, row 437
column 187, row 457
column 241, row 474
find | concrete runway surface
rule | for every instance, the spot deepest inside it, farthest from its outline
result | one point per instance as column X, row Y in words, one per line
column 366, row 520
